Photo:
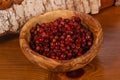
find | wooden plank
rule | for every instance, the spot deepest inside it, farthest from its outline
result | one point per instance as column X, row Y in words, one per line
column 106, row 66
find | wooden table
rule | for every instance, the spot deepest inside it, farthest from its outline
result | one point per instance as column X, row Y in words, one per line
column 106, row 66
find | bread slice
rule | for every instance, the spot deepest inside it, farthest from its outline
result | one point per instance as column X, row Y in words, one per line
column 86, row 6
column 94, row 6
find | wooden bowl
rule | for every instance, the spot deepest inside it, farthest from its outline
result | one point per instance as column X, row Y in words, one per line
column 61, row 65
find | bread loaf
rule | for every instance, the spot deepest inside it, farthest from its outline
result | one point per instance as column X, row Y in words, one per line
column 86, row 6
column 5, row 4
column 117, row 3
column 13, row 17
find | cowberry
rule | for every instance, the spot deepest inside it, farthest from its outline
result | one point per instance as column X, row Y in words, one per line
column 62, row 39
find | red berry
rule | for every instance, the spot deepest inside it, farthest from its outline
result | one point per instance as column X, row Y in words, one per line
column 62, row 39
column 69, row 55
column 79, row 54
column 41, row 39
column 37, row 48
column 55, row 23
column 63, row 56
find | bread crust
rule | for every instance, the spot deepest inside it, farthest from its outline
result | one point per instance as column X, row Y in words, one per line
column 18, row 1
column 4, row 4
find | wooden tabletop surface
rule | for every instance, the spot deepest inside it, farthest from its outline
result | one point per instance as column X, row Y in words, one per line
column 106, row 66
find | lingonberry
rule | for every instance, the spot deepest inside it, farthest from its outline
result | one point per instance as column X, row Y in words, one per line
column 62, row 39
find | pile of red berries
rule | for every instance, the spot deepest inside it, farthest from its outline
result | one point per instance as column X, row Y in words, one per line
column 62, row 39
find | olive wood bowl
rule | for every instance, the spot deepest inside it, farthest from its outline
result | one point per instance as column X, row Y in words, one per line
column 61, row 65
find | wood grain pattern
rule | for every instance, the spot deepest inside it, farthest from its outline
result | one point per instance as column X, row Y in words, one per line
column 106, row 66
column 61, row 65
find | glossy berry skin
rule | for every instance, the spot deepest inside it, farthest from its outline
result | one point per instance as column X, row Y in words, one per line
column 62, row 39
